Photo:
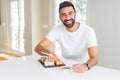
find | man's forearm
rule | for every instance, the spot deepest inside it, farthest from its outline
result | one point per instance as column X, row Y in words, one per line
column 92, row 61
column 93, row 55
column 39, row 49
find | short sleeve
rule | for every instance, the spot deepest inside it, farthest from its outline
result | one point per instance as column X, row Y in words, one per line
column 53, row 34
column 91, row 38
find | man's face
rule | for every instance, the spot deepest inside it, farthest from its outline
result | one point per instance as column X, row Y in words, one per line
column 67, row 16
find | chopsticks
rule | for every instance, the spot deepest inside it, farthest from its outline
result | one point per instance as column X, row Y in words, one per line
column 48, row 54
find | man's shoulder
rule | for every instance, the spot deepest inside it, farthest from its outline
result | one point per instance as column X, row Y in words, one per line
column 58, row 27
column 87, row 28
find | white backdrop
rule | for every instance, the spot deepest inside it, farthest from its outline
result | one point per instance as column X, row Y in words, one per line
column 104, row 16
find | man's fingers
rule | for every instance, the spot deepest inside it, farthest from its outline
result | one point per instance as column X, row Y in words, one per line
column 79, row 68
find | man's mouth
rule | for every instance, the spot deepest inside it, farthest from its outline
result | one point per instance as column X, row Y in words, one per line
column 68, row 21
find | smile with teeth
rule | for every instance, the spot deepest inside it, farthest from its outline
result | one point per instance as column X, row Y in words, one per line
column 68, row 21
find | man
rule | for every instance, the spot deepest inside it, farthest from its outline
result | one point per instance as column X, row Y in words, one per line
column 77, row 41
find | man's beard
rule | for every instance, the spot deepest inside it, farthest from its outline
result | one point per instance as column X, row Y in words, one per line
column 69, row 25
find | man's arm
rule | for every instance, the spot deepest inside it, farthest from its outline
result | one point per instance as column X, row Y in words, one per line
column 41, row 49
column 93, row 54
column 42, row 46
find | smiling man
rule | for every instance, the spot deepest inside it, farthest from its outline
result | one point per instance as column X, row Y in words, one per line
column 78, row 41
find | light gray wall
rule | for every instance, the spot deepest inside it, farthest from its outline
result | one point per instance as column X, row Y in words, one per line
column 104, row 16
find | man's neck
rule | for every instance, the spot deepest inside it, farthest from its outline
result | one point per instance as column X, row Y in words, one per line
column 74, row 28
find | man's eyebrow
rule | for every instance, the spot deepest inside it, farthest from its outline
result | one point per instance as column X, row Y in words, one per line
column 71, row 12
column 68, row 12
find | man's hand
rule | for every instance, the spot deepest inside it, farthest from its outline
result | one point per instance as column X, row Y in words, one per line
column 53, row 57
column 80, row 68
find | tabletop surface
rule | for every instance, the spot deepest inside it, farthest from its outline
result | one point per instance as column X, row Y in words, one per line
column 29, row 68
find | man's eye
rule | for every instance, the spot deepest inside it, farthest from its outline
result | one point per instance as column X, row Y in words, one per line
column 63, row 15
column 70, row 13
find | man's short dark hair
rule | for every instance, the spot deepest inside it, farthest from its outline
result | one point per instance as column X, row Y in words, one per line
column 66, row 4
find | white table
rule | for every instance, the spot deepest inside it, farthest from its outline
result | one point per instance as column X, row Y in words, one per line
column 28, row 68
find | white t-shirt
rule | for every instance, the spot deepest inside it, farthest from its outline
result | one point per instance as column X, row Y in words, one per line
column 74, row 45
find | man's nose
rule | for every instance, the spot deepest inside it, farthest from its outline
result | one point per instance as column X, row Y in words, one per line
column 68, row 17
